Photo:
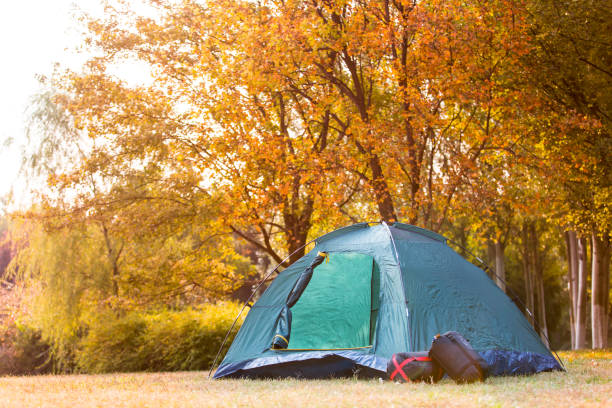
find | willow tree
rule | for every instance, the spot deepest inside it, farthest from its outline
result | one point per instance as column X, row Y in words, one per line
column 90, row 242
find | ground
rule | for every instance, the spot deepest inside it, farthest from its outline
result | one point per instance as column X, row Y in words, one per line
column 587, row 383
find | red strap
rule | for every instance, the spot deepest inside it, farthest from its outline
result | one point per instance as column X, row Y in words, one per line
column 398, row 367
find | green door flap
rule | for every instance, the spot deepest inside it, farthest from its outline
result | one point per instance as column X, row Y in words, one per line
column 335, row 308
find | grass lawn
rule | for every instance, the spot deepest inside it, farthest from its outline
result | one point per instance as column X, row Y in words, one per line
column 588, row 383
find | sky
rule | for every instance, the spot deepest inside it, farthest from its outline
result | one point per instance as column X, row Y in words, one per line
column 34, row 35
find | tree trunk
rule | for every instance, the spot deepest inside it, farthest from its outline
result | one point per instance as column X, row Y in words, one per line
column 600, row 290
column 383, row 197
column 542, row 311
column 297, row 224
column 500, row 267
column 113, row 258
column 296, row 240
column 462, row 238
column 491, row 256
column 528, row 275
column 537, row 268
column 572, row 280
column 581, row 290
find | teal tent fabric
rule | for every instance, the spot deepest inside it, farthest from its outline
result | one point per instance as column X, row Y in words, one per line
column 334, row 310
column 418, row 287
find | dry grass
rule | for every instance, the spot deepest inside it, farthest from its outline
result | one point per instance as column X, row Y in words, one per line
column 587, row 383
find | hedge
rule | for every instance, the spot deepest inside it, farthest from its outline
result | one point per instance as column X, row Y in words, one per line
column 165, row 340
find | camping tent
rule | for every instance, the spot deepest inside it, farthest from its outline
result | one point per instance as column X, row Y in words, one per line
column 370, row 290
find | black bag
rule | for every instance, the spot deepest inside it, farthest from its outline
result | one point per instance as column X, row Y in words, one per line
column 455, row 355
column 413, row 367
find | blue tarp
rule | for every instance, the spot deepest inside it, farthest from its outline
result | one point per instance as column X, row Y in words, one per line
column 342, row 363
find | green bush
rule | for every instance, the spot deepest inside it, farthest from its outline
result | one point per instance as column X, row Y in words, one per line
column 112, row 344
column 157, row 341
column 22, row 351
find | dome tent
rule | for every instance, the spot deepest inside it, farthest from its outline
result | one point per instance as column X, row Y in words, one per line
column 367, row 291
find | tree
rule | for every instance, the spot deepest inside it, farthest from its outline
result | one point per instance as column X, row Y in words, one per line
column 96, row 242
column 273, row 121
column 570, row 63
column 424, row 90
column 394, row 102
column 227, row 112
column 578, row 272
column 6, row 252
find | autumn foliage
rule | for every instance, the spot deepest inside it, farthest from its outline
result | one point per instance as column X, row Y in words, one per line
column 258, row 125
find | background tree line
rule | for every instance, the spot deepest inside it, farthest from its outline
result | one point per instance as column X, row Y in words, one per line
column 260, row 125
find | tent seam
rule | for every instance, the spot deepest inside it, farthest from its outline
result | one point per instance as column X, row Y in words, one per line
column 399, row 267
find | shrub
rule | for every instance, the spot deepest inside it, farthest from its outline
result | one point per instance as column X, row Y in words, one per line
column 165, row 340
column 112, row 344
column 22, row 351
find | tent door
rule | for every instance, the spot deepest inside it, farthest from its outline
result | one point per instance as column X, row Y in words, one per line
column 338, row 308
